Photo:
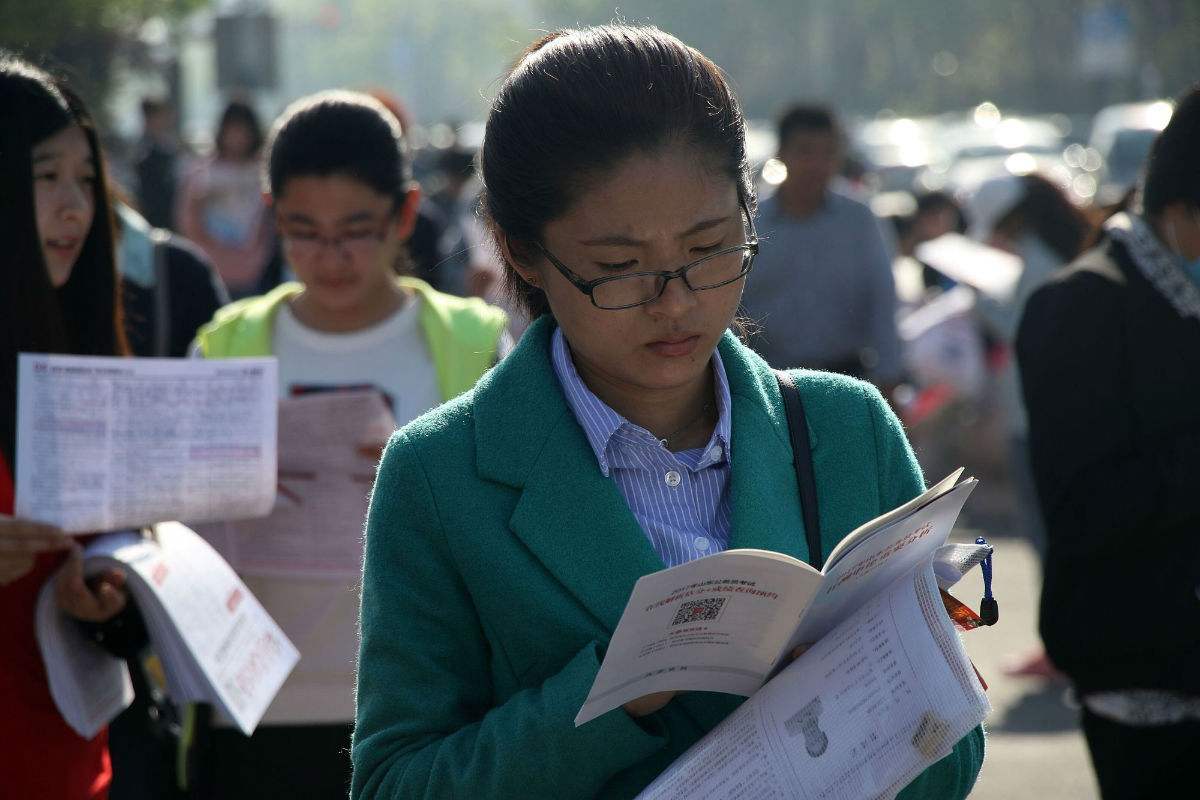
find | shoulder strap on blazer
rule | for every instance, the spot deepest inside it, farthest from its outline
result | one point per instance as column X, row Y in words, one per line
column 802, row 453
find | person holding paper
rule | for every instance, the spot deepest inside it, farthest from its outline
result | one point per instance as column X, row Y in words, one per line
column 628, row 430
column 58, row 293
column 345, row 203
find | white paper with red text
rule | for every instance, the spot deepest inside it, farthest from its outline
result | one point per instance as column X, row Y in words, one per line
column 216, row 642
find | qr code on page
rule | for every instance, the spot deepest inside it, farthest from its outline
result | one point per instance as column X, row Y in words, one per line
column 705, row 610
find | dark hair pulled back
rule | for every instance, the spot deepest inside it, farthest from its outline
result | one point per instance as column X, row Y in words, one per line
column 339, row 133
column 576, row 104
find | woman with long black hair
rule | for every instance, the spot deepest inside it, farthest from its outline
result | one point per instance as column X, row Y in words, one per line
column 58, row 294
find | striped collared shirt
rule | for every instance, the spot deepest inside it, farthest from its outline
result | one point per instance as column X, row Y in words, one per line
column 681, row 500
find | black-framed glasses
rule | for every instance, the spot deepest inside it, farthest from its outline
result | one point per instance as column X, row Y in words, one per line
column 616, row 292
column 356, row 245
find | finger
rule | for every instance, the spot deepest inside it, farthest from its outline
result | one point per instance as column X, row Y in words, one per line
column 22, row 536
column 31, row 544
column 115, row 578
column 110, row 601
column 14, row 566
column 70, row 587
column 800, row 650
column 17, row 524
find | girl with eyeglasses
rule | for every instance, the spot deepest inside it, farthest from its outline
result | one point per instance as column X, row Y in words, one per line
column 58, row 294
column 344, row 202
column 628, row 431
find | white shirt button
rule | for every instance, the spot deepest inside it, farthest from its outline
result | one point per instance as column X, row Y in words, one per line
column 714, row 454
column 701, row 543
column 672, row 478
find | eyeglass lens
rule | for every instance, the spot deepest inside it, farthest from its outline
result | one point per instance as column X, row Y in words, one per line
column 708, row 273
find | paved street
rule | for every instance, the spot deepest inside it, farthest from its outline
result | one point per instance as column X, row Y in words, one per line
column 1034, row 747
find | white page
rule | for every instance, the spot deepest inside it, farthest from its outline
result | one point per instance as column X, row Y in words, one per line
column 885, row 695
column 316, row 526
column 714, row 624
column 88, row 685
column 106, row 443
column 874, row 564
column 868, row 529
column 241, row 654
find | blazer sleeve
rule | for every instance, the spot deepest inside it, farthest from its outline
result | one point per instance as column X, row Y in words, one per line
column 899, row 481
column 428, row 723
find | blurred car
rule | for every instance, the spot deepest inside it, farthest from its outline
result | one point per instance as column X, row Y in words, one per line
column 1122, row 134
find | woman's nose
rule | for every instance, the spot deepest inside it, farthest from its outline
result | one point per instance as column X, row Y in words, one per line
column 74, row 201
column 675, row 299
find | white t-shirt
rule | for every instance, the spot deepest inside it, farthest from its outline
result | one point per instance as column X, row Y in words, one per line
column 390, row 356
column 321, row 616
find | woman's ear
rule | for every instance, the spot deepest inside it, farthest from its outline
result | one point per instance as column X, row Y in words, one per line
column 517, row 258
column 406, row 220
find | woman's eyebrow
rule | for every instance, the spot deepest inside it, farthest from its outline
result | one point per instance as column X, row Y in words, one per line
column 617, row 240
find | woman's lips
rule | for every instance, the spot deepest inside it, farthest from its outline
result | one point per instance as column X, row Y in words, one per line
column 64, row 246
column 674, row 348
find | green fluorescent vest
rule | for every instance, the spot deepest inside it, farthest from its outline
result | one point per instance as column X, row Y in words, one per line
column 461, row 333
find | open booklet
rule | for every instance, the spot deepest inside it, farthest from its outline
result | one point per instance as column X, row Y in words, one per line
column 884, row 691
column 216, row 642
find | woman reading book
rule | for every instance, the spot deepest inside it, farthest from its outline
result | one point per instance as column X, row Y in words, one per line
column 628, row 431
column 58, row 294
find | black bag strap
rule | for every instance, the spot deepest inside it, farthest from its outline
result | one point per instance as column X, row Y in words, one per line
column 162, row 294
column 802, row 453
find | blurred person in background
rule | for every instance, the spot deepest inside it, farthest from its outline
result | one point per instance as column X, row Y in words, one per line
column 156, row 163
column 823, row 295
column 436, row 249
column 169, row 287
column 1031, row 218
column 345, row 203
column 220, row 206
column 936, row 214
column 1109, row 353
column 58, row 294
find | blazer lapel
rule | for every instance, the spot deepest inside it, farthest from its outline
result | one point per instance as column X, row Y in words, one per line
column 572, row 518
column 579, row 526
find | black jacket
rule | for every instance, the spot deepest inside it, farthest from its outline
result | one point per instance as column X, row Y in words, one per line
column 1111, row 376
column 162, row 320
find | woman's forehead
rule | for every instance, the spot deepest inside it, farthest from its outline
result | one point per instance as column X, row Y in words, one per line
column 330, row 195
column 664, row 193
column 70, row 142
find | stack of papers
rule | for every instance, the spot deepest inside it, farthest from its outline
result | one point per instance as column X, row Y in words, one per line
column 216, row 642
column 884, row 689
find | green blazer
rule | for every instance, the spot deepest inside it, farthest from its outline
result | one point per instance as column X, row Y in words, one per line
column 499, row 559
